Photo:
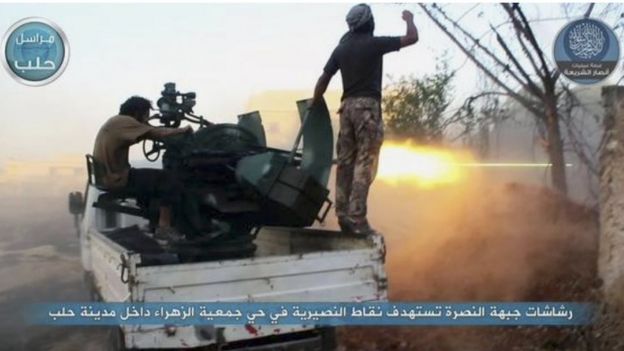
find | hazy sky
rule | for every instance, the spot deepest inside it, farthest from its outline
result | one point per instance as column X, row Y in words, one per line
column 224, row 52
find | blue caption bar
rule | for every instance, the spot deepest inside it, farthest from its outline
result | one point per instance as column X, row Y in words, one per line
column 328, row 314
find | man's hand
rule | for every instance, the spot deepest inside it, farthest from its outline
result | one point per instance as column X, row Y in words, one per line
column 311, row 103
column 411, row 34
column 408, row 16
column 187, row 130
column 320, row 88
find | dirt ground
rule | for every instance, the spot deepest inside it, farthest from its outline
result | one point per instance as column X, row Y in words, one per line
column 459, row 243
column 507, row 242
column 39, row 262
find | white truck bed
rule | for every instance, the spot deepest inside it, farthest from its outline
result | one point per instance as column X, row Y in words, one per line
column 290, row 265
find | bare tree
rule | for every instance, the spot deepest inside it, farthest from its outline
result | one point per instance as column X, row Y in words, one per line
column 525, row 75
column 476, row 116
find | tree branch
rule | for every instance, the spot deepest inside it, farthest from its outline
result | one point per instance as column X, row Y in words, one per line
column 548, row 79
column 519, row 30
column 528, row 104
column 589, row 10
column 478, row 44
column 530, row 85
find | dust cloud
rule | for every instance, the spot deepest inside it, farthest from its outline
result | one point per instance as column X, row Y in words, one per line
column 479, row 239
column 39, row 256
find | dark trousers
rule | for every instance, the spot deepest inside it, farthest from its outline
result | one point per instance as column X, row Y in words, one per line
column 149, row 183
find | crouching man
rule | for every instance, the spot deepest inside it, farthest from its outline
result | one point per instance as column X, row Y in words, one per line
column 112, row 144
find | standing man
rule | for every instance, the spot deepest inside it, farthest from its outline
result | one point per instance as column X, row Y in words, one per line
column 359, row 57
column 112, row 144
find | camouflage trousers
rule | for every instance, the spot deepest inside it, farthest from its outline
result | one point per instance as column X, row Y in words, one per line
column 359, row 141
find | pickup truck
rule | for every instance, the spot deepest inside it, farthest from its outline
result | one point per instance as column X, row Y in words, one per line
column 289, row 265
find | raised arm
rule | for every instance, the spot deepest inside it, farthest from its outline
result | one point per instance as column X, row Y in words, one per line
column 411, row 34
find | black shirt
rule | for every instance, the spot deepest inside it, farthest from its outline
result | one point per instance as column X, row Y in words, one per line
column 360, row 61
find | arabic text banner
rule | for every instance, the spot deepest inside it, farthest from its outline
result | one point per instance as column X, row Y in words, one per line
column 326, row 314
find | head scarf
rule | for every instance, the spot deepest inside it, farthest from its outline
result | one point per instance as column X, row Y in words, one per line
column 358, row 16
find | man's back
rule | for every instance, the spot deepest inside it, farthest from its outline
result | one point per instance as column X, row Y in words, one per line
column 360, row 61
column 112, row 144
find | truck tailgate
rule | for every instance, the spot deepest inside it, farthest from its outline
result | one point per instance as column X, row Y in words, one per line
column 290, row 265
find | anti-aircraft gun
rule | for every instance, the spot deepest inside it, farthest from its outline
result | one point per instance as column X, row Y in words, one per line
column 234, row 184
column 245, row 209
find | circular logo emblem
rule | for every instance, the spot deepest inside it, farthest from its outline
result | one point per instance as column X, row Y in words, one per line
column 36, row 51
column 586, row 51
